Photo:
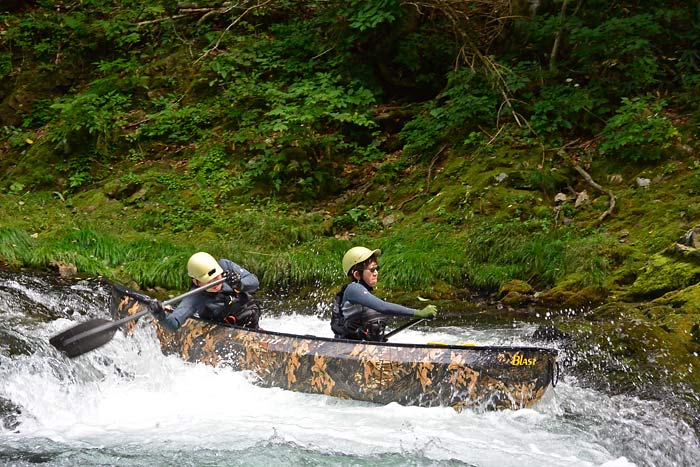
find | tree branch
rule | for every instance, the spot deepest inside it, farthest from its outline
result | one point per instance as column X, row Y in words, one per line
column 591, row 182
column 236, row 21
column 557, row 37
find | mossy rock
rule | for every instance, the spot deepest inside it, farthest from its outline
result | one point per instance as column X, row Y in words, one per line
column 663, row 274
column 516, row 299
column 516, row 293
column 686, row 300
column 517, row 286
column 641, row 345
column 120, row 189
column 631, row 355
column 571, row 295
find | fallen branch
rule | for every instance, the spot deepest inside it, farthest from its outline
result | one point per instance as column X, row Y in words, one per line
column 430, row 168
column 591, row 182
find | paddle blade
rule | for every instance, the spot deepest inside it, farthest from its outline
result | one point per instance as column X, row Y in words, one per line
column 84, row 337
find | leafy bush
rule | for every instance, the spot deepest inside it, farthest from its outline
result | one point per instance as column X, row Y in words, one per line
column 89, row 120
column 175, row 123
column 293, row 135
column 5, row 64
column 463, row 105
column 639, row 130
column 620, row 51
column 560, row 109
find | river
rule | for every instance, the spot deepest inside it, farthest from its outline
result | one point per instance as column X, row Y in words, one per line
column 128, row 404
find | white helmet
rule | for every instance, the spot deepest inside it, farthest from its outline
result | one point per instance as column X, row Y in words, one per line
column 357, row 255
column 203, row 267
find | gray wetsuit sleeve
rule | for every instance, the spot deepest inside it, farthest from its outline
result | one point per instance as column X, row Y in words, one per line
column 249, row 281
column 357, row 293
column 187, row 307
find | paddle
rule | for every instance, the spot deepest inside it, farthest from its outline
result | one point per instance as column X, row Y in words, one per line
column 409, row 324
column 405, row 326
column 95, row 333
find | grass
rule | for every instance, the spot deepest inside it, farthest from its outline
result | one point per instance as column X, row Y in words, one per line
column 289, row 251
column 445, row 242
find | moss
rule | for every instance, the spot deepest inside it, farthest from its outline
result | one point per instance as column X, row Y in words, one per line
column 641, row 345
column 517, row 286
column 663, row 273
column 686, row 301
column 573, row 293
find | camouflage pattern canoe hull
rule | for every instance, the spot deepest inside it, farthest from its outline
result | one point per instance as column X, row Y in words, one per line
column 424, row 375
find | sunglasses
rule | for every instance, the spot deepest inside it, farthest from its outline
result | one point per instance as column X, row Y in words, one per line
column 373, row 269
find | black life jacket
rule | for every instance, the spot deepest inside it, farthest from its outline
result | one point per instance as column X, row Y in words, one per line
column 337, row 321
column 356, row 322
column 237, row 308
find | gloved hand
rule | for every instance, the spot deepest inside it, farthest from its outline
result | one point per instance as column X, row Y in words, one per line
column 233, row 279
column 157, row 309
column 430, row 312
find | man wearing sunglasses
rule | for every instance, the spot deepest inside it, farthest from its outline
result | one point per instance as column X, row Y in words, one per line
column 359, row 315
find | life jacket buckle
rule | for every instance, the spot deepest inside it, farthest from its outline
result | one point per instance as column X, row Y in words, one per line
column 231, row 319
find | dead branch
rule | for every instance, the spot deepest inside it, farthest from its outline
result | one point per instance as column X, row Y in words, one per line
column 159, row 20
column 557, row 37
column 595, row 185
column 430, row 167
column 192, row 9
column 477, row 25
column 236, row 21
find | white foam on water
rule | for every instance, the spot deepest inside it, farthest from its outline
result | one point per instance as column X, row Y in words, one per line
column 129, row 393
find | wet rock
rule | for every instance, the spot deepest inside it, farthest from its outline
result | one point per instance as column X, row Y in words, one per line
column 516, row 293
column 640, row 347
column 549, row 333
column 65, row 270
column 12, row 344
column 9, row 414
column 643, row 182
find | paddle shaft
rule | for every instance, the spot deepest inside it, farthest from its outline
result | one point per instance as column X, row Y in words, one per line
column 115, row 324
column 405, row 326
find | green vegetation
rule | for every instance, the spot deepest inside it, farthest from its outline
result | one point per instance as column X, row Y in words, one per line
column 282, row 132
column 479, row 144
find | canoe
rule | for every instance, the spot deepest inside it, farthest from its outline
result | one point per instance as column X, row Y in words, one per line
column 428, row 375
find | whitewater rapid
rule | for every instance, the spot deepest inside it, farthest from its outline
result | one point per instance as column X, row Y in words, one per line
column 128, row 404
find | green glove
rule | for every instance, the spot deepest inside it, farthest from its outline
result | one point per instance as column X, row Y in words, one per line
column 430, row 311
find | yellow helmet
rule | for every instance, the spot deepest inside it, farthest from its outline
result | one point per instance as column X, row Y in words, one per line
column 203, row 267
column 357, row 255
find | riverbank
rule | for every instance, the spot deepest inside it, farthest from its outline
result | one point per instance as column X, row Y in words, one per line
column 625, row 290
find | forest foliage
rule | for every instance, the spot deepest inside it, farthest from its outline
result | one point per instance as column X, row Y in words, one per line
column 294, row 100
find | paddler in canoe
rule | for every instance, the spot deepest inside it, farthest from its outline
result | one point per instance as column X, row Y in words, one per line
column 357, row 313
column 228, row 302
